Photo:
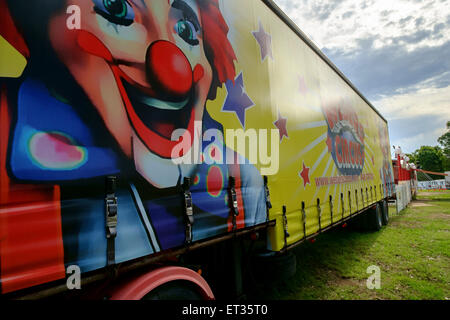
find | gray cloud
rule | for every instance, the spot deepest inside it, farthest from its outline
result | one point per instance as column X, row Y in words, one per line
column 419, row 21
column 318, row 9
column 404, row 131
column 413, row 38
column 406, row 127
column 404, row 21
column 385, row 13
column 438, row 28
column 348, row 14
column 397, row 56
column 323, row 10
column 382, row 71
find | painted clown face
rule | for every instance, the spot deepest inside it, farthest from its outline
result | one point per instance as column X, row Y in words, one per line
column 142, row 64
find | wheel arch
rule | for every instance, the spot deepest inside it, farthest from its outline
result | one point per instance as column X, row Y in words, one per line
column 137, row 287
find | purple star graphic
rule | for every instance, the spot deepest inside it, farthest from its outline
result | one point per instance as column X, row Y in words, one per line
column 281, row 125
column 265, row 42
column 237, row 100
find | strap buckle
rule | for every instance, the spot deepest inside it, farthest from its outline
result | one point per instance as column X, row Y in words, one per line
column 233, row 201
column 111, row 216
column 319, row 212
column 285, row 226
column 304, row 219
column 233, row 195
column 188, row 209
column 111, row 219
column 266, row 188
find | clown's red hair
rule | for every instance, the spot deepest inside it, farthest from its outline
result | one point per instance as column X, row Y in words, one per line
column 218, row 48
column 9, row 31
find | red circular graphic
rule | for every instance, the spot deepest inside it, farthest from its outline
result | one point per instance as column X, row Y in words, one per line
column 169, row 71
column 214, row 181
column 196, row 179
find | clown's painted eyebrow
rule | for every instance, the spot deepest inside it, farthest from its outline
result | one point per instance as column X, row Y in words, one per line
column 136, row 3
column 188, row 12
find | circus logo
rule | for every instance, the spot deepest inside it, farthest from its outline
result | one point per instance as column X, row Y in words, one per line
column 345, row 138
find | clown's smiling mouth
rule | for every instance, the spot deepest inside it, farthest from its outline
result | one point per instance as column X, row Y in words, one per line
column 160, row 116
column 154, row 119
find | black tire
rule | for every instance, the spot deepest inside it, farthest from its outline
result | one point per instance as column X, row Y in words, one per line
column 373, row 217
column 358, row 223
column 271, row 267
column 385, row 212
column 175, row 290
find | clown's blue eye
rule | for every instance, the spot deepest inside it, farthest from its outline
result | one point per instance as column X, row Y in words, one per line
column 115, row 11
column 187, row 31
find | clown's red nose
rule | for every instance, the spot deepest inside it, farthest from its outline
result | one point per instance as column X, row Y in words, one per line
column 169, row 71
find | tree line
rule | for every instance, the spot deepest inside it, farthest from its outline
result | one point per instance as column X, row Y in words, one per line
column 436, row 158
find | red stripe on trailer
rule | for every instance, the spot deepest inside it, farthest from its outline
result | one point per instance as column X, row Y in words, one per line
column 9, row 31
column 31, row 246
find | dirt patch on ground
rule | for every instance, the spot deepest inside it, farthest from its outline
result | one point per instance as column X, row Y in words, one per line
column 429, row 193
column 439, row 216
column 403, row 223
column 420, row 204
column 350, row 282
column 357, row 286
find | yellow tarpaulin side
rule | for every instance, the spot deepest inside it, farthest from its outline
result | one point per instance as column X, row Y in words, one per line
column 292, row 82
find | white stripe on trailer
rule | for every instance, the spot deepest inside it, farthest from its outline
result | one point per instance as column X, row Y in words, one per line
column 310, row 125
column 308, row 148
column 144, row 216
column 319, row 160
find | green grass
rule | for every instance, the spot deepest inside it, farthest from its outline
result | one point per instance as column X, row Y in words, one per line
column 413, row 253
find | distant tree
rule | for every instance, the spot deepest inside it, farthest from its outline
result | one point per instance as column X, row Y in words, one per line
column 430, row 159
column 412, row 158
column 444, row 141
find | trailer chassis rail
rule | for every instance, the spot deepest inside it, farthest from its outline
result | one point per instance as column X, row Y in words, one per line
column 59, row 286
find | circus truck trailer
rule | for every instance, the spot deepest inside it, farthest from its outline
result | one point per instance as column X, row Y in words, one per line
column 170, row 149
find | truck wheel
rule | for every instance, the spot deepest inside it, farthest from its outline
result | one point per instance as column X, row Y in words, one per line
column 358, row 223
column 374, row 220
column 385, row 212
column 174, row 290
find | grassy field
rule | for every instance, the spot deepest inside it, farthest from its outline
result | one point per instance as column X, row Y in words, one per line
column 412, row 252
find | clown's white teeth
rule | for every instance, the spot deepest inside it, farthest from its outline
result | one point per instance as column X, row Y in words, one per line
column 152, row 102
column 160, row 104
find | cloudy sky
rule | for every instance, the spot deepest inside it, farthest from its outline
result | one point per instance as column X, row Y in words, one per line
column 396, row 52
